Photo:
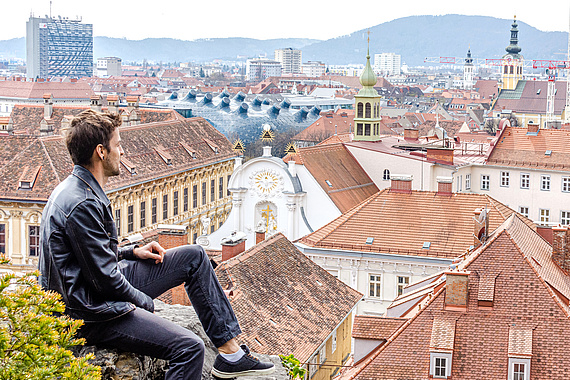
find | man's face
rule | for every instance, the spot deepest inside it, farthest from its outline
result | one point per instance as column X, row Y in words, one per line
column 112, row 161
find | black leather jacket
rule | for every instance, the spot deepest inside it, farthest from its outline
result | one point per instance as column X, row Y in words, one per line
column 79, row 255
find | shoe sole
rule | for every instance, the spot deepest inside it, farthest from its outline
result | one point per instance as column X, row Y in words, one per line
column 229, row 375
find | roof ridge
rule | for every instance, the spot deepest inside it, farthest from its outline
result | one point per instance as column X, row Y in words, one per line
column 20, row 153
column 49, row 160
column 229, row 263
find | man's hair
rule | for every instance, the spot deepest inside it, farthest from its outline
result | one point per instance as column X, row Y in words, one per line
column 89, row 129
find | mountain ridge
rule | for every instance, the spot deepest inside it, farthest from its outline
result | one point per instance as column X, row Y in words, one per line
column 412, row 37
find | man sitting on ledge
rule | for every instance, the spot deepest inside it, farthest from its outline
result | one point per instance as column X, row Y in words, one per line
column 111, row 288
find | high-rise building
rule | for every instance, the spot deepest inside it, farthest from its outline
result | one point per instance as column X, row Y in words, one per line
column 260, row 69
column 387, row 63
column 290, row 60
column 313, row 69
column 58, row 47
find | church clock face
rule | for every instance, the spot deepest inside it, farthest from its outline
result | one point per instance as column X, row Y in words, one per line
column 265, row 182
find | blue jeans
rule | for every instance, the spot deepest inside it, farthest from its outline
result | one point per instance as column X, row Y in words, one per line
column 145, row 333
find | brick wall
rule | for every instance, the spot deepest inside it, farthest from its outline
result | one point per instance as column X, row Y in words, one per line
column 177, row 295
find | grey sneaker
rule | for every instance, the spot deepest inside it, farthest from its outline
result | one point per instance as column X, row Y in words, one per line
column 248, row 365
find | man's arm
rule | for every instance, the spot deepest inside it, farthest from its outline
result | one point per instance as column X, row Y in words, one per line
column 92, row 246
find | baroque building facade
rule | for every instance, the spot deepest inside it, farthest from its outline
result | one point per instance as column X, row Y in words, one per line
column 175, row 170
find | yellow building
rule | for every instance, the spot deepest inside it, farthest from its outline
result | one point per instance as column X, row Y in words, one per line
column 174, row 171
column 512, row 65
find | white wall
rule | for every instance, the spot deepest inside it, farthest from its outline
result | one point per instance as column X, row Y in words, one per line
column 290, row 203
column 513, row 195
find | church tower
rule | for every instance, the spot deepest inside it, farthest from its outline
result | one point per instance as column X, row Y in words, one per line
column 468, row 72
column 367, row 106
column 512, row 65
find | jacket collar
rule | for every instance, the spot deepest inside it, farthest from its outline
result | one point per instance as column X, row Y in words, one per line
column 86, row 176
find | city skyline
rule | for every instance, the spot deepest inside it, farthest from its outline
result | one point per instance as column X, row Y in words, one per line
column 185, row 21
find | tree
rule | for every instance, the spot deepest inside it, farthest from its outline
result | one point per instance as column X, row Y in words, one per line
column 35, row 337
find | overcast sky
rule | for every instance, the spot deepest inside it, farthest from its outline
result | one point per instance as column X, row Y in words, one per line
column 265, row 19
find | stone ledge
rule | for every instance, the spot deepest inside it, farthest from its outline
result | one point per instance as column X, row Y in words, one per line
column 118, row 365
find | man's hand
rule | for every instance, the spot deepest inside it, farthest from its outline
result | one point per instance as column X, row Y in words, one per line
column 152, row 250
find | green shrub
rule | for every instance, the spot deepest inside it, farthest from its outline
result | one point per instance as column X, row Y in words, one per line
column 35, row 342
column 293, row 366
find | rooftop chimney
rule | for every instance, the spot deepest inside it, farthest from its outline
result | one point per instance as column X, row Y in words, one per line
column 532, row 128
column 444, row 185
column 480, row 226
column 401, row 183
column 561, row 247
column 96, row 103
column 440, row 155
column 456, row 290
column 233, row 245
column 171, row 236
column 411, row 134
column 48, row 106
column 260, row 233
column 113, row 104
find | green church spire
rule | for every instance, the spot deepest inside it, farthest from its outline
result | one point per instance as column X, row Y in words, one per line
column 368, row 78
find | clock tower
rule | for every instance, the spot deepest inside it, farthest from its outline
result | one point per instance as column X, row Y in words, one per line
column 512, row 65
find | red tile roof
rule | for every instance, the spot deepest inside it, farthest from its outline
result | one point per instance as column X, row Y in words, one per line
column 138, row 142
column 527, row 318
column 402, row 223
column 376, row 328
column 516, row 148
column 36, row 90
column 530, row 97
column 283, row 300
column 329, row 124
column 28, row 117
column 349, row 183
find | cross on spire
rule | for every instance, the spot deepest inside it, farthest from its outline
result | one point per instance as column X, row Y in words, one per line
column 368, row 41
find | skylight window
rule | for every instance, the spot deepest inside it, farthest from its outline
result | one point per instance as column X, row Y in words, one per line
column 538, row 91
column 548, row 153
column 369, row 240
column 426, row 245
column 328, row 183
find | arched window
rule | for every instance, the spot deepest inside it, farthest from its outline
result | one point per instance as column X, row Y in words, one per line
column 368, row 111
column 360, row 110
column 386, row 175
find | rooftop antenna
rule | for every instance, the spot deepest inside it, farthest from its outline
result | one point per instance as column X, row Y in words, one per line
column 50, row 8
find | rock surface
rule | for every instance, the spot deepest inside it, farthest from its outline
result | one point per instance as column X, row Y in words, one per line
column 118, row 365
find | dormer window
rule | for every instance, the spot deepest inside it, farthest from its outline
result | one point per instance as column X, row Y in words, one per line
column 28, row 178
column 129, row 166
column 440, row 365
column 189, row 150
column 164, row 154
column 212, row 146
